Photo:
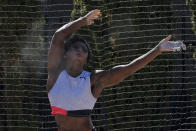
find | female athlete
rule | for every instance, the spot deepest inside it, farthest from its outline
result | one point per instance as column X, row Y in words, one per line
column 73, row 91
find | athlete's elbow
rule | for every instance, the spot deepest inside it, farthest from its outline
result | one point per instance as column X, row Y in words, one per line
column 57, row 36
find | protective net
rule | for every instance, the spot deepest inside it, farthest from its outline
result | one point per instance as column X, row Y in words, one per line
column 159, row 97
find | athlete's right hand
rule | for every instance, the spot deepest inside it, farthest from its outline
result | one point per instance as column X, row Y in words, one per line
column 91, row 16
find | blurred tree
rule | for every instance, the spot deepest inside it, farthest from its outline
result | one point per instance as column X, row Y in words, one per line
column 192, row 4
column 19, row 62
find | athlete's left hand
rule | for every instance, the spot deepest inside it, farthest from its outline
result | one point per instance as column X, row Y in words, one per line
column 168, row 46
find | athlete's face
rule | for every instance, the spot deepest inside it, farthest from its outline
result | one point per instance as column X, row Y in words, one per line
column 76, row 56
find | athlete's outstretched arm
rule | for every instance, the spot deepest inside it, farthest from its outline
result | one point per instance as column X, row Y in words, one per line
column 56, row 51
column 102, row 79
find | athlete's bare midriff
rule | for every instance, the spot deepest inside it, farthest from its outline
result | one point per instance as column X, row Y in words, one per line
column 68, row 123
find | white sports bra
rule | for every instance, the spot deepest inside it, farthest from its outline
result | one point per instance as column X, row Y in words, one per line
column 72, row 96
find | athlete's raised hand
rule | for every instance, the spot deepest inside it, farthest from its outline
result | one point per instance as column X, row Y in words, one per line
column 167, row 46
column 91, row 16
